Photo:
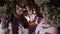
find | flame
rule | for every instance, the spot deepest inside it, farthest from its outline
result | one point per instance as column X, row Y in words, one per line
column 34, row 12
column 27, row 18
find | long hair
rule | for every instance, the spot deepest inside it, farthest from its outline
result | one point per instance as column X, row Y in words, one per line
column 9, row 20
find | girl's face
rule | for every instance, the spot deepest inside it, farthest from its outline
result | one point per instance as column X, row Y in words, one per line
column 3, row 20
column 29, row 10
column 18, row 10
column 47, row 22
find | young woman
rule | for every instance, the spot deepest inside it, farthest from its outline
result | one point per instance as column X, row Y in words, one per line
column 2, row 23
column 45, row 27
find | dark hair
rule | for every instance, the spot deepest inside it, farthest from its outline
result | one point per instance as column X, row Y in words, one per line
column 18, row 4
column 39, row 14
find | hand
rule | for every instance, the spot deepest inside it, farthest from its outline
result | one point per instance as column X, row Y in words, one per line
column 33, row 33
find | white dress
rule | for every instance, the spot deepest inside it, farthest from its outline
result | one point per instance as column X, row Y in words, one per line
column 10, row 28
column 2, row 31
column 41, row 30
column 22, row 30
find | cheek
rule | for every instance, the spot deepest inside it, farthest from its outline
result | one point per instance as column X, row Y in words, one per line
column 17, row 11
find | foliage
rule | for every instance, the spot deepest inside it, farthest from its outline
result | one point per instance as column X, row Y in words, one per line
column 49, row 10
column 9, row 7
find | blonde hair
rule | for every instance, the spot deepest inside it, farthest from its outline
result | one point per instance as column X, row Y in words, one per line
column 48, row 22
